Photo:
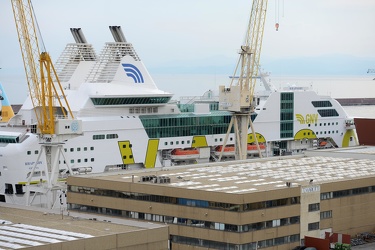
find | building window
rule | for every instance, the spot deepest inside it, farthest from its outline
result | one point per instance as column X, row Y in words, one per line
column 314, row 207
column 326, row 196
column 326, row 214
column 313, row 226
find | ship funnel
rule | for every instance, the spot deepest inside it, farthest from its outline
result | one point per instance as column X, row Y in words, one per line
column 78, row 35
column 117, row 34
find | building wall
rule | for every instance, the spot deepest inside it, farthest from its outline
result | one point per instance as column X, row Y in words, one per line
column 150, row 239
column 350, row 215
column 310, row 194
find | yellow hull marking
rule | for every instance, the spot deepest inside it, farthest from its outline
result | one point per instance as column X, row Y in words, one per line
column 260, row 138
column 305, row 133
column 151, row 154
column 126, row 152
column 346, row 138
column 199, row 142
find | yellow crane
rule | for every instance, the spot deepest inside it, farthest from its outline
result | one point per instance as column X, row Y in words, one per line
column 238, row 97
column 55, row 120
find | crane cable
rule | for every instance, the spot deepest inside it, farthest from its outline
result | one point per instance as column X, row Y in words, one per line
column 277, row 13
column 38, row 29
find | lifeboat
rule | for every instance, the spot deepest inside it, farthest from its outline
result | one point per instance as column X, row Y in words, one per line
column 184, row 154
column 252, row 149
column 230, row 150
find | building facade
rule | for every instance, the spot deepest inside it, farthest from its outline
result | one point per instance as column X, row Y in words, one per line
column 263, row 204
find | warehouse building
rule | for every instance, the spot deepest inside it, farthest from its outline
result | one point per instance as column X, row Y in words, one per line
column 41, row 229
column 254, row 204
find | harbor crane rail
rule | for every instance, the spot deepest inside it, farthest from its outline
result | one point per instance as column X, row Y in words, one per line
column 239, row 96
column 55, row 120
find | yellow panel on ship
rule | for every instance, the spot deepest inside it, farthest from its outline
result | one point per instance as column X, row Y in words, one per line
column 126, row 152
column 151, row 154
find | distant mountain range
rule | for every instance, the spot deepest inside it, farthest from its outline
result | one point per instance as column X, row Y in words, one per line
column 322, row 65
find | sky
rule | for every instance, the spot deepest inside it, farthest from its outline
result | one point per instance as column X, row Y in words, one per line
column 332, row 37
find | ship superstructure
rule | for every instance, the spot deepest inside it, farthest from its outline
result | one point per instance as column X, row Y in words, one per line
column 128, row 123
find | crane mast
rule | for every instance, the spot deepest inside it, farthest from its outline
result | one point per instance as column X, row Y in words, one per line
column 238, row 97
column 55, row 120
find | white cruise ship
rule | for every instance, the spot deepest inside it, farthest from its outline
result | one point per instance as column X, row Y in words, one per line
column 129, row 123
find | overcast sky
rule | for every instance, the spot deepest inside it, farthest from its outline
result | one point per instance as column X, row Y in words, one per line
column 169, row 33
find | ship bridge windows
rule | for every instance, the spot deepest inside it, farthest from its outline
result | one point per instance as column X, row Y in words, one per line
column 110, row 101
column 9, row 139
column 321, row 104
column 327, row 112
column 162, row 126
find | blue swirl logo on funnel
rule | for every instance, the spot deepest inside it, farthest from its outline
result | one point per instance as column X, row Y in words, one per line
column 133, row 72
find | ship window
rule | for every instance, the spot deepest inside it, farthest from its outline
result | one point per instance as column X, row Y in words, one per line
column 78, row 149
column 124, row 146
column 188, row 142
column 130, row 101
column 177, row 142
column 124, row 157
column 231, row 139
column 112, row 136
column 327, row 112
column 337, row 123
column 86, row 160
column 131, row 156
column 91, row 148
column 321, row 104
column 85, row 149
column 71, row 149
column 29, row 152
column 9, row 188
column 36, row 152
column 165, row 143
column 171, row 143
column 92, row 159
column 65, row 150
column 79, row 160
column 71, row 161
column 98, row 137
column 182, row 142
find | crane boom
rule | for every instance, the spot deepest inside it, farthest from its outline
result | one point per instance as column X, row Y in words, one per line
column 238, row 98
column 39, row 69
column 55, row 120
